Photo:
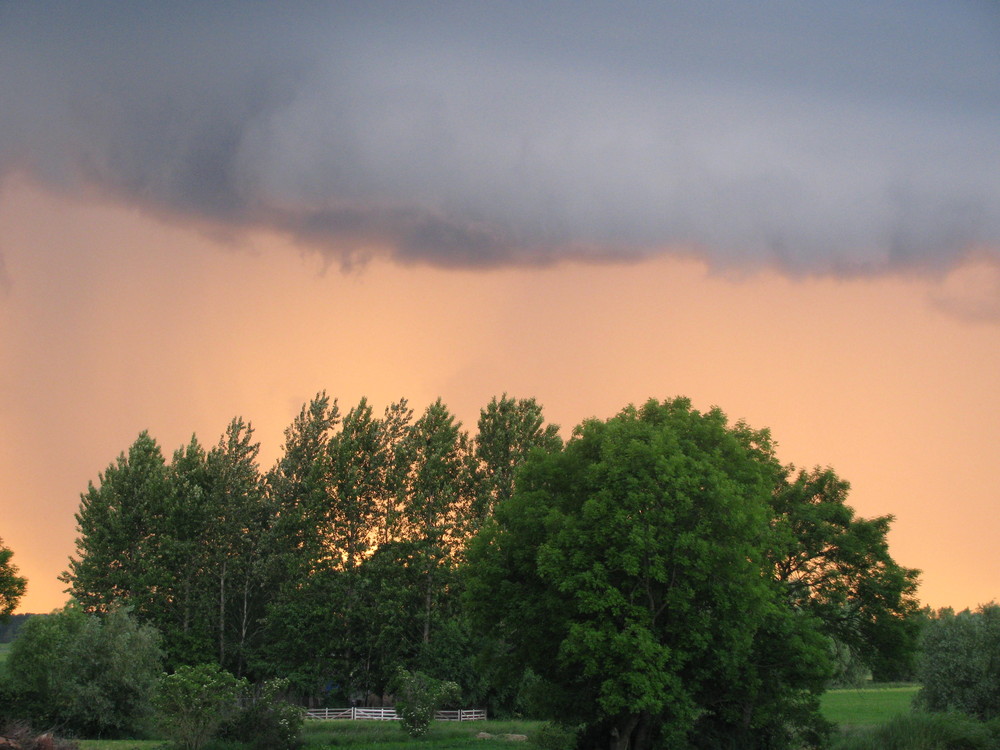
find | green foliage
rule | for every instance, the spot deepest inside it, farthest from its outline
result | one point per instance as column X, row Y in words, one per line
column 925, row 731
column 92, row 675
column 265, row 720
column 628, row 571
column 418, row 697
column 838, row 567
column 552, row 736
column 960, row 663
column 12, row 586
column 182, row 544
column 194, row 702
column 508, row 430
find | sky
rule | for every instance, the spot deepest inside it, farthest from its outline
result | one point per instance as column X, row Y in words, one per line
column 788, row 210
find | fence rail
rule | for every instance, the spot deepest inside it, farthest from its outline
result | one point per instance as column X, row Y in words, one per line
column 389, row 714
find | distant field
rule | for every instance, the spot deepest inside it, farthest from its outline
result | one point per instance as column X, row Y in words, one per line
column 862, row 707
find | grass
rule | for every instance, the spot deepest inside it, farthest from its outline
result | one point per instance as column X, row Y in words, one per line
column 923, row 731
column 849, row 708
column 865, row 707
column 387, row 735
column 369, row 735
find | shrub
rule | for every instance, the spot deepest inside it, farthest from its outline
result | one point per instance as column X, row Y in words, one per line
column 418, row 696
column 960, row 665
column 924, row 731
column 92, row 675
column 195, row 701
column 551, row 736
column 265, row 721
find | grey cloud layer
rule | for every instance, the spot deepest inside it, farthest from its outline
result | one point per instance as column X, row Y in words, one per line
column 851, row 139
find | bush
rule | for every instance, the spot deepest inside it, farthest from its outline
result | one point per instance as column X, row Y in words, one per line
column 418, row 697
column 194, row 702
column 551, row 736
column 265, row 721
column 925, row 731
column 92, row 675
column 960, row 665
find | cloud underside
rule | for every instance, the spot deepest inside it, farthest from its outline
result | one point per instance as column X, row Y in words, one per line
column 481, row 138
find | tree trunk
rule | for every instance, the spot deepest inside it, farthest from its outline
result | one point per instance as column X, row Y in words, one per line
column 222, row 614
column 621, row 733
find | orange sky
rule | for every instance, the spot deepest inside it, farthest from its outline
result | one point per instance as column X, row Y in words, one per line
column 112, row 322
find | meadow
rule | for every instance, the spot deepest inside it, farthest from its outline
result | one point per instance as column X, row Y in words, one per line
column 369, row 735
column 849, row 708
column 865, row 707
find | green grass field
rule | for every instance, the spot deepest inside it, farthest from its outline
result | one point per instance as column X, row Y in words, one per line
column 370, row 735
column 863, row 707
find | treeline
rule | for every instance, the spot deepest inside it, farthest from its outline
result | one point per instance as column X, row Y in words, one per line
column 12, row 626
column 660, row 579
column 332, row 568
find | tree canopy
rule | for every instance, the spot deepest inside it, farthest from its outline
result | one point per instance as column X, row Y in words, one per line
column 639, row 572
column 660, row 577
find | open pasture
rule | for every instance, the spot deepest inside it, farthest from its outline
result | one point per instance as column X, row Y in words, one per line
column 862, row 707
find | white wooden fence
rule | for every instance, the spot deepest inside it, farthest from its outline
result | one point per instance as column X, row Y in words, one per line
column 389, row 714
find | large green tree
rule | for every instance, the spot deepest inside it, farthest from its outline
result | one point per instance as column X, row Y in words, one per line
column 337, row 491
column 12, row 586
column 183, row 545
column 628, row 569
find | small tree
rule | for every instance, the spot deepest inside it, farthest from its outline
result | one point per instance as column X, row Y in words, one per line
column 418, row 697
column 12, row 585
column 195, row 701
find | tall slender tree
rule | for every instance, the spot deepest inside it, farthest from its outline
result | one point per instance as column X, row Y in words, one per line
column 298, row 486
column 508, row 429
column 437, row 501
column 236, row 540
column 120, row 525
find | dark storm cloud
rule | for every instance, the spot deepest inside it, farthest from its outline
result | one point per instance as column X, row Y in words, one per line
column 845, row 138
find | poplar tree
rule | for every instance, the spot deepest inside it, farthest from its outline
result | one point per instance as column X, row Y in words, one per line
column 120, row 528
column 436, row 502
column 507, row 431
